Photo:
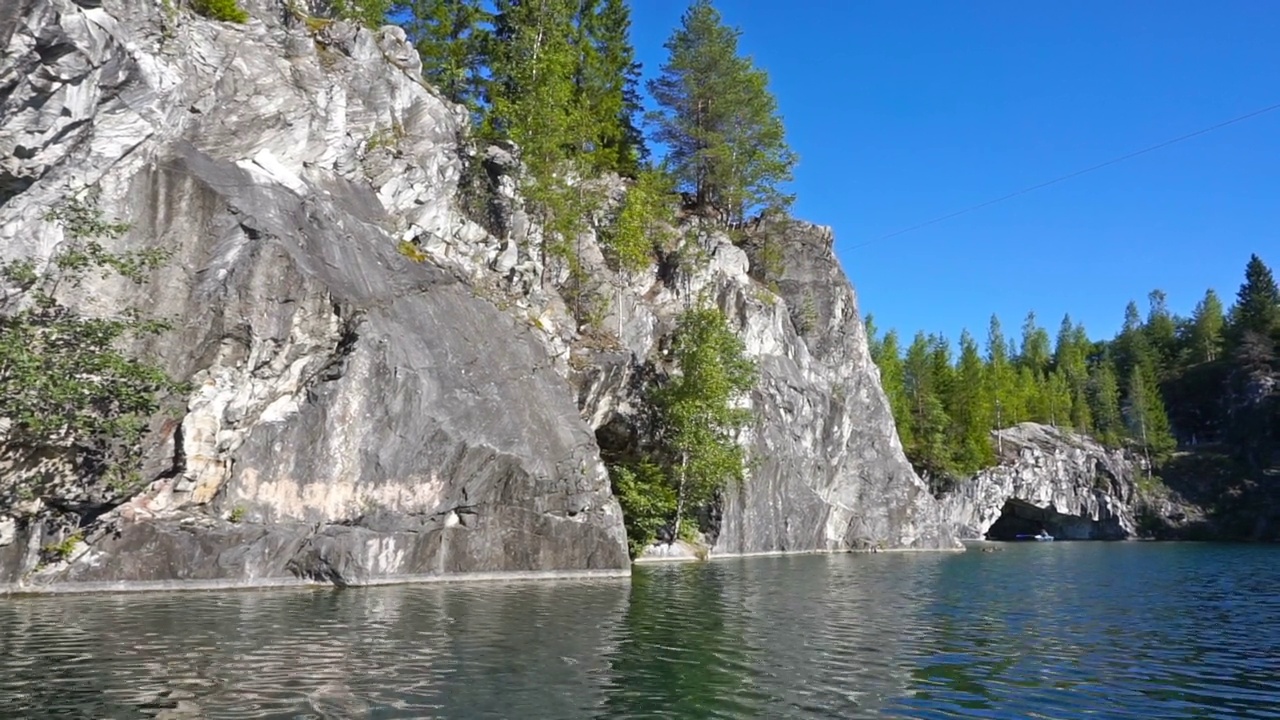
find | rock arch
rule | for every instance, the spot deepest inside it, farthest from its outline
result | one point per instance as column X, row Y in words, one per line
column 1050, row 479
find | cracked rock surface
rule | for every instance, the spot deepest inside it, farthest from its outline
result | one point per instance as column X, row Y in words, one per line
column 358, row 413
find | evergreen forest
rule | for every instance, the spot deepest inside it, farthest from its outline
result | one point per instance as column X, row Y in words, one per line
column 1163, row 385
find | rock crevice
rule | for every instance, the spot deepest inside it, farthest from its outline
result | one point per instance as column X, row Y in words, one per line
column 386, row 381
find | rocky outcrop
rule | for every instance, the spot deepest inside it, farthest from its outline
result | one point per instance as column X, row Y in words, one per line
column 1051, row 479
column 828, row 471
column 360, row 415
column 386, row 381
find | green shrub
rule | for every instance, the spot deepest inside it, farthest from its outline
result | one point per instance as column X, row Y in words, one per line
column 222, row 10
column 65, row 380
column 648, row 502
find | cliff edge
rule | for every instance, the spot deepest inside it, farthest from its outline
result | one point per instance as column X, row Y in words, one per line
column 378, row 385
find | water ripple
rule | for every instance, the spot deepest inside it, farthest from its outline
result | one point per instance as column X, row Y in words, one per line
column 1060, row 630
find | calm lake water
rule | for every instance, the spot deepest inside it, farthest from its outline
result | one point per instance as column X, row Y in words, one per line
column 1050, row 630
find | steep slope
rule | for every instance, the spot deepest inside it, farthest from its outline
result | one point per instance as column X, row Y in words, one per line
column 381, row 386
column 365, row 416
column 828, row 471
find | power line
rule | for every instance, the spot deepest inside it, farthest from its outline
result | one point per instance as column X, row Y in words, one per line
column 1068, row 176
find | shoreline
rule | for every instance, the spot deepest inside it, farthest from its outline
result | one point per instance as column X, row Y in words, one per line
column 659, row 559
column 156, row 586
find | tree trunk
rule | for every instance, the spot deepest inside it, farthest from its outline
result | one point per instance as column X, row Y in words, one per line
column 675, row 530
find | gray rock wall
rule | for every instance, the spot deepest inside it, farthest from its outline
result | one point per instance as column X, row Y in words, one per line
column 361, row 415
column 1068, row 483
column 827, row 469
column 358, row 415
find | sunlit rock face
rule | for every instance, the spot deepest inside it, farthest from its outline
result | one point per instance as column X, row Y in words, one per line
column 828, row 471
column 386, row 379
column 1048, row 479
column 359, row 414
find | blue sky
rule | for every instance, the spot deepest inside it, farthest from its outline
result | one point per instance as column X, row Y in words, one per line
column 902, row 111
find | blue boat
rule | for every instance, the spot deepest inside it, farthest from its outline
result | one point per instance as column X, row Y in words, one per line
column 1042, row 537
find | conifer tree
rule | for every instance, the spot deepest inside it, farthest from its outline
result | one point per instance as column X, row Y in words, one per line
column 1104, row 405
column 1035, row 346
column 719, row 120
column 1001, row 377
column 1161, row 332
column 929, row 421
column 451, row 38
column 1071, row 362
column 533, row 101
column 606, row 80
column 1130, row 340
column 893, row 380
column 1257, row 308
column 1145, row 414
column 1207, row 323
column 970, row 409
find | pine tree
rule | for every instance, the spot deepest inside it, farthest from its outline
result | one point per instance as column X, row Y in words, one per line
column 874, row 344
column 606, row 81
column 1032, row 396
column 1161, row 331
column 1257, row 308
column 1207, row 323
column 1145, row 415
column 452, row 40
column 1001, row 378
column 970, row 409
column 1035, row 346
column 533, row 102
column 1104, row 402
column 1071, row 405
column 718, row 119
column 893, row 380
column 1130, row 341
column 1057, row 399
column 929, row 422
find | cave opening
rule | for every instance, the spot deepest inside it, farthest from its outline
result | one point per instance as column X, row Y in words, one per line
column 1019, row 517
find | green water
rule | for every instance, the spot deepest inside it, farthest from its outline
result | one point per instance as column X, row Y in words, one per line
column 1057, row 630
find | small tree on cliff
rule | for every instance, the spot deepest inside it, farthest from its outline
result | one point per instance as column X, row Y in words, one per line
column 697, row 410
column 719, row 120
column 66, row 380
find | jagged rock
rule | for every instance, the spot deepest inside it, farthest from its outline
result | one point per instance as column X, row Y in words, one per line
column 387, row 382
column 1051, row 479
column 830, row 471
column 349, row 402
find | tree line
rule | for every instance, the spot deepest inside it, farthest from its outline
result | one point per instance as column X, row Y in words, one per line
column 1162, row 382
column 560, row 80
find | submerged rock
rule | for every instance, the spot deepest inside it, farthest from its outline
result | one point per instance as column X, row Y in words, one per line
column 386, row 382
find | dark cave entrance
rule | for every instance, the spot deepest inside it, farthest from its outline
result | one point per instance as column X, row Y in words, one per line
column 1018, row 517
column 1022, row 518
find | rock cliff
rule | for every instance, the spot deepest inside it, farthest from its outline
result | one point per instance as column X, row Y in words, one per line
column 385, row 382
column 1064, row 483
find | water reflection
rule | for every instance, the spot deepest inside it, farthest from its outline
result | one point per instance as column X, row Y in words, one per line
column 1063, row 630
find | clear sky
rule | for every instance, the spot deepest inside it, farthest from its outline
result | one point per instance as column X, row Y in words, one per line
column 905, row 110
